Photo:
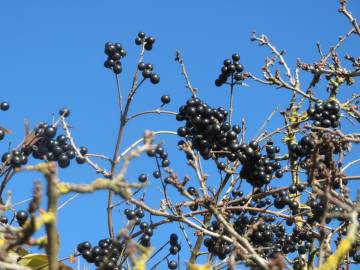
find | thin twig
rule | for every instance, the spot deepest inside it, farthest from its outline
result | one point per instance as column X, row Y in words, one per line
column 179, row 59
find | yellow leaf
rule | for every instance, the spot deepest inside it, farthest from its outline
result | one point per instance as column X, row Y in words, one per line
column 42, row 241
column 39, row 262
column 20, row 251
column 47, row 217
column 63, row 189
column 141, row 260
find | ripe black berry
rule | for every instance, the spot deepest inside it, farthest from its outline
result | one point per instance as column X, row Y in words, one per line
column 172, row 264
column 139, row 213
column 149, row 66
column 165, row 99
column 154, row 78
column 279, row 174
column 221, row 165
column 5, row 157
column 292, row 189
column 236, row 57
column 83, row 150
column 4, row 220
column 301, row 187
column 146, row 73
column 50, row 132
column 149, row 231
column 151, row 153
column 141, row 66
column 144, row 225
column 130, row 214
column 150, row 40
column 117, row 68
column 141, row 35
column 2, row 133
column 238, row 77
column 191, row 190
column 165, row 163
column 182, row 131
column 21, row 217
column 142, row 178
column 138, row 41
column 70, row 154
column 4, row 106
column 84, row 246
column 173, row 239
column 63, row 161
column 148, row 46
column 156, row 174
column 80, row 160
column 65, row 112
column 174, row 250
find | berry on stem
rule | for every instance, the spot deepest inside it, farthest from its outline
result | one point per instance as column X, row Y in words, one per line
column 165, row 99
column 65, row 112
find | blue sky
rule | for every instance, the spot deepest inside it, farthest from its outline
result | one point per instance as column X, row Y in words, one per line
column 51, row 55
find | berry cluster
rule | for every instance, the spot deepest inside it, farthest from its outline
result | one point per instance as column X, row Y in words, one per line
column 283, row 199
column 105, row 255
column 265, row 235
column 114, row 52
column 160, row 154
column 355, row 251
column 4, row 106
column 217, row 247
column 135, row 215
column 258, row 169
column 207, row 128
column 147, row 230
column 325, row 114
column 326, row 146
column 143, row 39
column 45, row 146
column 212, row 136
column 147, row 72
column 193, row 192
column 302, row 149
column 262, row 235
column 231, row 69
column 174, row 249
column 15, row 158
column 317, row 207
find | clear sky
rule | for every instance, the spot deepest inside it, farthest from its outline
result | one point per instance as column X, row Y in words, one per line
column 51, row 55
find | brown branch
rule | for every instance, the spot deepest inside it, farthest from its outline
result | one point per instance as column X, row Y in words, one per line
column 157, row 111
column 52, row 248
column 179, row 59
column 77, row 151
column 123, row 118
column 264, row 40
column 260, row 262
column 343, row 9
